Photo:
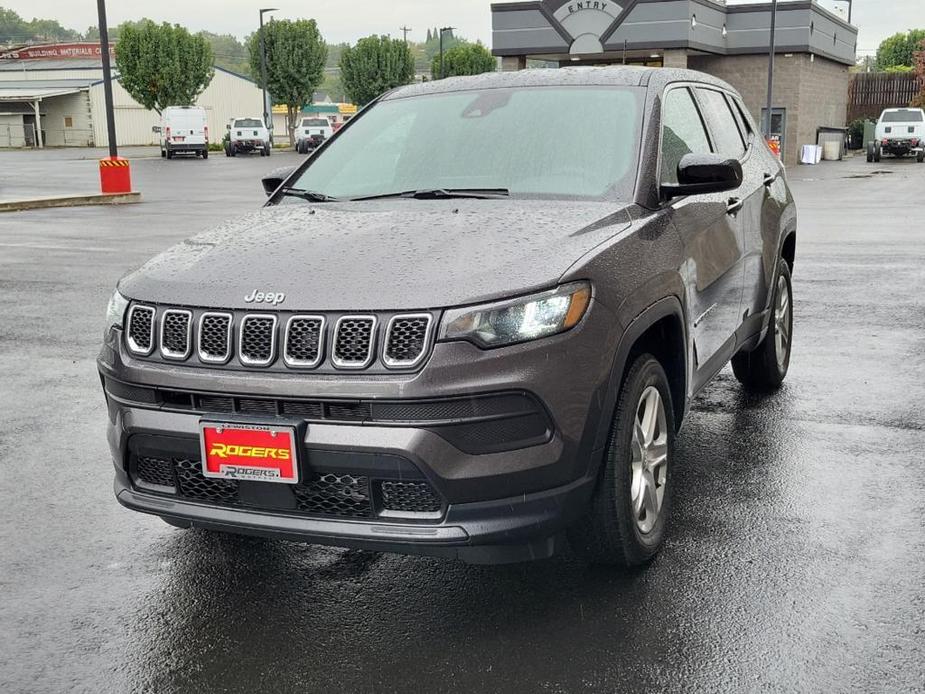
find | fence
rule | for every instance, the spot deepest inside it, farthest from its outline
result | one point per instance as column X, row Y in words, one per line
column 12, row 136
column 871, row 92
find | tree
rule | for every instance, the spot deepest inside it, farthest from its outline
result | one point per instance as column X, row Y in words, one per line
column 899, row 49
column 464, row 59
column 229, row 53
column 919, row 57
column 163, row 65
column 296, row 54
column 375, row 65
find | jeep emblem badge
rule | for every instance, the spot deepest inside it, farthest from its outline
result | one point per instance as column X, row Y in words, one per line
column 274, row 298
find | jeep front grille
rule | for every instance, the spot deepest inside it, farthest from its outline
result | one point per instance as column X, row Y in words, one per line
column 140, row 333
column 354, row 342
column 257, row 346
column 280, row 340
column 176, row 330
column 406, row 340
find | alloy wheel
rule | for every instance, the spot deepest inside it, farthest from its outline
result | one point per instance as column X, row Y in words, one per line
column 782, row 322
column 649, row 459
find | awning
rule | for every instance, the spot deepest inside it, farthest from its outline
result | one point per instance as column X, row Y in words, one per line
column 36, row 93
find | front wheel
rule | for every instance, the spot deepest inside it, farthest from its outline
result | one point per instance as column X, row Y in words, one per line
column 169, row 154
column 920, row 157
column 766, row 367
column 625, row 523
column 268, row 150
column 870, row 152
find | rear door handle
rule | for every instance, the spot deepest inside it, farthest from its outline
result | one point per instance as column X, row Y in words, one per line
column 734, row 205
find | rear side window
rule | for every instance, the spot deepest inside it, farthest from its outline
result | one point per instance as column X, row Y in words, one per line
column 723, row 125
column 314, row 123
column 682, row 132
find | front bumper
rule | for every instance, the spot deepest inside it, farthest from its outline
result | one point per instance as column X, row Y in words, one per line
column 509, row 504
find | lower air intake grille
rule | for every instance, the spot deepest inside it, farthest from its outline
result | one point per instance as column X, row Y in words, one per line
column 155, row 471
column 194, row 485
column 410, row 497
column 335, row 495
column 353, row 342
column 407, row 340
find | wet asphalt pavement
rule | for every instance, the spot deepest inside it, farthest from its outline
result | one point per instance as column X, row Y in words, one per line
column 795, row 560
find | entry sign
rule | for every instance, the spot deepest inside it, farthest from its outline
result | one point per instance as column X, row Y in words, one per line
column 263, row 453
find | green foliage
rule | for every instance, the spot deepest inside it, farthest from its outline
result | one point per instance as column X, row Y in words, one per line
column 163, row 65
column 333, row 86
column 296, row 55
column 16, row 30
column 229, row 53
column 93, row 33
column 899, row 49
column 464, row 59
column 901, row 69
column 375, row 65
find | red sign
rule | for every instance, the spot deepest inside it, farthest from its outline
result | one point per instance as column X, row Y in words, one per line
column 56, row 51
column 264, row 453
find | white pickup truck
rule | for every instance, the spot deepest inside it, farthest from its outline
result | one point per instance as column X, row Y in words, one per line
column 311, row 133
column 900, row 131
column 246, row 135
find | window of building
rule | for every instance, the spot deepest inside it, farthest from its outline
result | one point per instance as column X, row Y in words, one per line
column 682, row 132
column 726, row 133
column 68, row 122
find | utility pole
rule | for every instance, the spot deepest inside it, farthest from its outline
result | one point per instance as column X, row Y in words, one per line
column 443, row 30
column 107, row 78
column 405, row 30
column 767, row 124
column 263, row 72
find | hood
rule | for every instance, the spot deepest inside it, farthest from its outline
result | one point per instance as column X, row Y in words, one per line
column 383, row 255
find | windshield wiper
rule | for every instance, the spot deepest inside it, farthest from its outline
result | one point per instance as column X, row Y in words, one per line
column 310, row 195
column 443, row 194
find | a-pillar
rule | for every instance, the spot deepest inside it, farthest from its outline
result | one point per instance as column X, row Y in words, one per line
column 512, row 63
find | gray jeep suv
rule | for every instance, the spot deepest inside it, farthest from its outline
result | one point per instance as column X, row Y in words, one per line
column 469, row 325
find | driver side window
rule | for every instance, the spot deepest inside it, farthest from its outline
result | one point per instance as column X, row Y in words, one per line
column 682, row 132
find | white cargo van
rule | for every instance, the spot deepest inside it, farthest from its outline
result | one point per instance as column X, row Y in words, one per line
column 183, row 129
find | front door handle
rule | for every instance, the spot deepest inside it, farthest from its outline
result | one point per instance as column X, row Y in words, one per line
column 769, row 179
column 734, row 205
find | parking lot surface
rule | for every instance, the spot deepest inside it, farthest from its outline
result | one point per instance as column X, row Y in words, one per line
column 795, row 560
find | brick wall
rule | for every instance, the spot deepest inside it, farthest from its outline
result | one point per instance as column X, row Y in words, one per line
column 813, row 90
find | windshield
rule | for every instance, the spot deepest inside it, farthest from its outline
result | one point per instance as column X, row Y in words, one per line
column 560, row 142
column 314, row 123
column 902, row 116
column 248, row 123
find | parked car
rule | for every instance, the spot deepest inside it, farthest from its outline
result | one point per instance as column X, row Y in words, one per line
column 465, row 327
column 247, row 135
column 900, row 132
column 183, row 129
column 311, row 133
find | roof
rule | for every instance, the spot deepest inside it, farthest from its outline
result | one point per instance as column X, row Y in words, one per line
column 611, row 76
column 33, row 93
column 32, row 90
column 39, row 65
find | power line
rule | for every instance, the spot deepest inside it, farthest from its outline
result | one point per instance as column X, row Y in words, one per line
column 404, row 30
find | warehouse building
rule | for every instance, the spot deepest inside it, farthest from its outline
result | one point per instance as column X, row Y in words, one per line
column 815, row 49
column 53, row 96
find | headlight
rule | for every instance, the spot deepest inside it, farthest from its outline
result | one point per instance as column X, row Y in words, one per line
column 519, row 320
column 115, row 312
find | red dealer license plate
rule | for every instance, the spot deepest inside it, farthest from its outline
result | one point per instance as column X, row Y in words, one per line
column 264, row 453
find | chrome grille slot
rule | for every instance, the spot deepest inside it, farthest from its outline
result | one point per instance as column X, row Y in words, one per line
column 215, row 337
column 406, row 340
column 257, row 342
column 354, row 342
column 140, row 333
column 304, row 343
column 176, row 329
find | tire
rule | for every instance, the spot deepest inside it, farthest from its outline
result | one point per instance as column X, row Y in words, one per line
column 765, row 368
column 163, row 154
column 169, row 154
column 205, row 154
column 612, row 532
column 227, row 151
column 268, row 150
column 878, row 153
column 920, row 157
column 870, row 152
column 232, row 150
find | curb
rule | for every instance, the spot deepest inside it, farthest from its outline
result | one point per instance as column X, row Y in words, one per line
column 70, row 201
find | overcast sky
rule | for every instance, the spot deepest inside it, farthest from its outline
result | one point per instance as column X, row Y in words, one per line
column 348, row 20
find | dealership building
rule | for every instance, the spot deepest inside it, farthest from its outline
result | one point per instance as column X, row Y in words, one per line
column 53, row 95
column 815, row 49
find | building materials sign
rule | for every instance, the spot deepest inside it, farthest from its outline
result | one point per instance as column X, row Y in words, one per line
column 56, row 51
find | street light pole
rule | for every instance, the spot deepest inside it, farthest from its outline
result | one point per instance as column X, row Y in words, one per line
column 442, row 67
column 107, row 78
column 263, row 71
column 767, row 123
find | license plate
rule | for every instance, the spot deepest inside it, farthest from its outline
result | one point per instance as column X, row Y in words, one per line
column 178, row 138
column 258, row 452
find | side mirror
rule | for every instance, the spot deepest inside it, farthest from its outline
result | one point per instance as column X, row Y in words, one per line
column 701, row 174
column 155, row 129
column 227, row 126
column 275, row 178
